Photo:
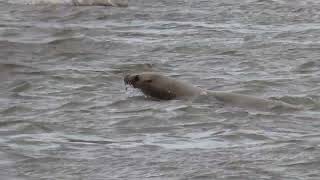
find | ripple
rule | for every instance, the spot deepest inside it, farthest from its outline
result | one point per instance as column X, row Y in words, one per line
column 308, row 67
column 82, row 139
column 10, row 66
column 73, row 105
column 304, row 164
column 245, row 136
column 302, row 101
column 15, row 110
column 20, row 86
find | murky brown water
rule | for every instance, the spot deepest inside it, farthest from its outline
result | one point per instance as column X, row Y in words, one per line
column 65, row 113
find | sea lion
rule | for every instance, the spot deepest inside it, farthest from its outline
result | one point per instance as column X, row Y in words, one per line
column 162, row 87
column 117, row 3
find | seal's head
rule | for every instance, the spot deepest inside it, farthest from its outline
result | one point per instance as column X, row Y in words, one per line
column 151, row 84
column 159, row 86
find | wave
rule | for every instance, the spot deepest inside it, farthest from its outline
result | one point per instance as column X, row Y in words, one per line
column 118, row 3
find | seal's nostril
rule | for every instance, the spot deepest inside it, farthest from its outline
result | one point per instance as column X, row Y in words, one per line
column 136, row 78
column 126, row 79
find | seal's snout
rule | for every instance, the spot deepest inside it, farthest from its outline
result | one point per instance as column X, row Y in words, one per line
column 131, row 80
column 126, row 79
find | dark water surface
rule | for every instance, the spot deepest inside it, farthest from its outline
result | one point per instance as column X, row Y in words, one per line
column 65, row 113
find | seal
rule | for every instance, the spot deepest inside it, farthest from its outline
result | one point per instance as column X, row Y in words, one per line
column 162, row 87
column 117, row 3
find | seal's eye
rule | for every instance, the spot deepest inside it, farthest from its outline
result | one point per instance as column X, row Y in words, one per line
column 136, row 78
column 149, row 81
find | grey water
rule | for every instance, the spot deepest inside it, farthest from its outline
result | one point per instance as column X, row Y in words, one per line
column 66, row 114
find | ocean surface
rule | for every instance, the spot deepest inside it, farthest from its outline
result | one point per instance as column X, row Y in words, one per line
column 66, row 114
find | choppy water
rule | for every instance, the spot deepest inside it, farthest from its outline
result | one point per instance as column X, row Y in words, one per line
column 65, row 113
